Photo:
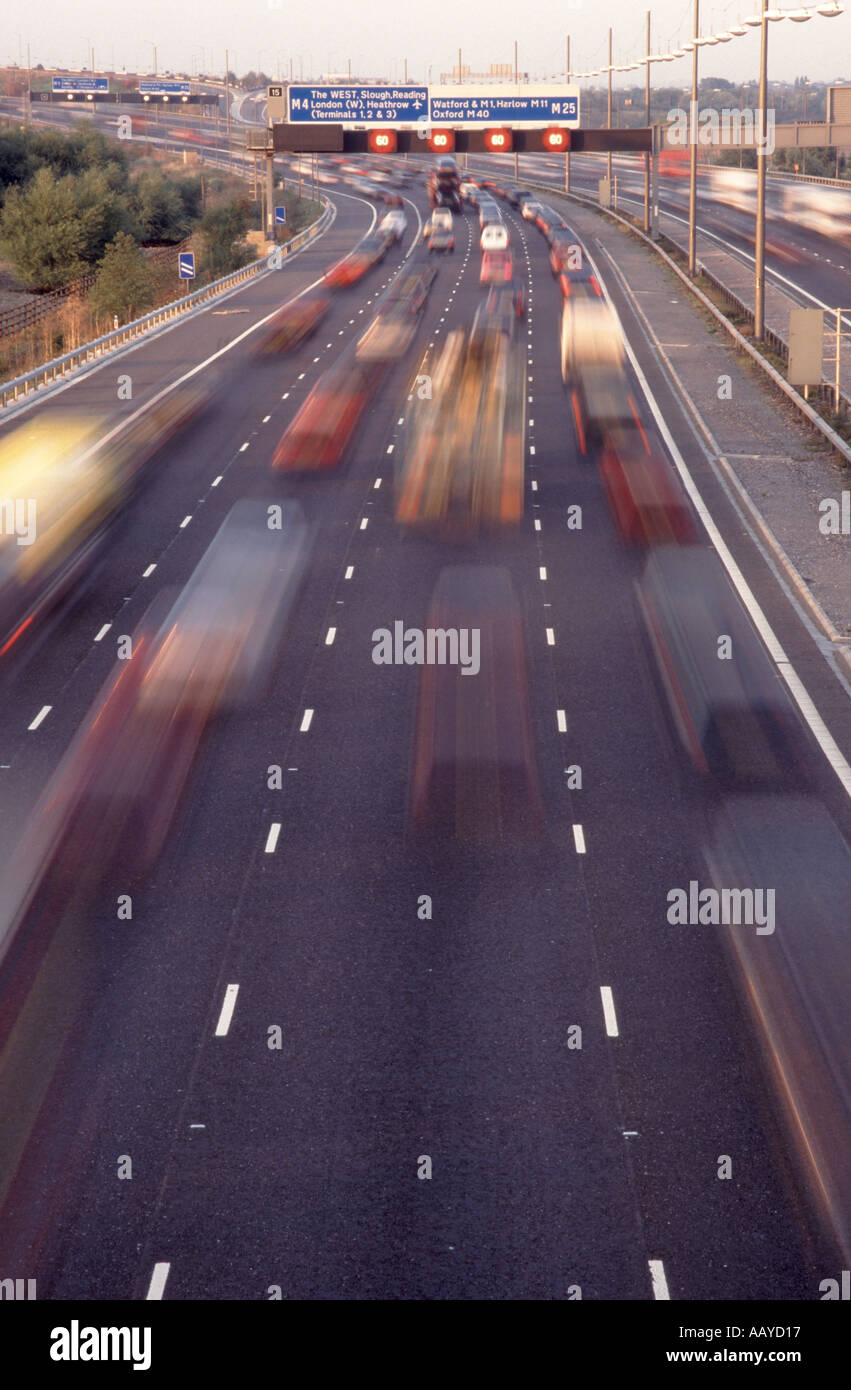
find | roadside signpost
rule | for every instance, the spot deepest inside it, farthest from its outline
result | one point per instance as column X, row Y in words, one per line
column 186, row 265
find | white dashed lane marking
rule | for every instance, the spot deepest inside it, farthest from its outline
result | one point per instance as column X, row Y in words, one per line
column 41, row 716
column 228, row 1006
column 609, row 1014
column 157, row 1284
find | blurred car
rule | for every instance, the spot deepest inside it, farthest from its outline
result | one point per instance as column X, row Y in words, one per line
column 391, row 331
column 593, row 367
column 197, row 652
column 502, row 308
column 393, row 226
column 393, row 200
column 321, row 429
column 793, row 979
column 293, row 323
column 647, row 499
column 550, row 222
column 531, row 210
column 462, row 457
column 574, row 272
column 469, row 192
column 497, row 268
column 441, row 240
column 494, row 237
column 474, row 774
column 515, row 196
column 440, row 219
column 488, row 213
column 64, row 487
column 368, row 252
column 732, row 712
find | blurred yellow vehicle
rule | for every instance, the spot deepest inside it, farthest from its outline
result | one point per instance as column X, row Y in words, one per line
column 58, row 490
column 63, row 476
column 463, row 455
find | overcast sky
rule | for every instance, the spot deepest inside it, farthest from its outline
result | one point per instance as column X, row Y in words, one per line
column 321, row 36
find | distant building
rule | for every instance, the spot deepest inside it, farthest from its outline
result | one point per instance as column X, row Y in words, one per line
column 498, row 72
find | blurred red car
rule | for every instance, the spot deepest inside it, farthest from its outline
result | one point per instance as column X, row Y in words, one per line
column 321, row 429
column 648, row 503
column 293, row 323
column 497, row 268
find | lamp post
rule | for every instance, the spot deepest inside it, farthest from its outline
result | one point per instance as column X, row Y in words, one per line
column 516, row 83
column 647, row 123
column 609, row 115
column 692, row 131
column 566, row 81
column 759, row 288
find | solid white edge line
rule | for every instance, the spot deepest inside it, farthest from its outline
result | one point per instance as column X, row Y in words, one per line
column 156, row 1287
column 609, row 1014
column 799, row 693
column 228, row 1006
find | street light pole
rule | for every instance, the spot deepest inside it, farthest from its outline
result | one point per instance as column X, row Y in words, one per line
column 609, row 117
column 647, row 123
column 566, row 82
column 227, row 97
column 692, row 133
column 761, row 157
column 516, row 83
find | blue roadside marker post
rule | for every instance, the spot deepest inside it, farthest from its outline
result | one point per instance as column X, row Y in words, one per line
column 186, row 265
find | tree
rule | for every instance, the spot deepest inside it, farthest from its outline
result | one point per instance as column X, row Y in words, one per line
column 15, row 165
column 123, row 285
column 222, row 231
column 159, row 209
column 102, row 209
column 40, row 232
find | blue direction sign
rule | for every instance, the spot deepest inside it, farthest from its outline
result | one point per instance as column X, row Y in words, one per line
column 81, row 84
column 186, row 265
column 526, row 105
column 280, row 215
column 358, row 105
column 169, row 89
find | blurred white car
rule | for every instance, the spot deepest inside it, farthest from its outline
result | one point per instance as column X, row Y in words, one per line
column 531, row 211
column 393, row 225
column 494, row 237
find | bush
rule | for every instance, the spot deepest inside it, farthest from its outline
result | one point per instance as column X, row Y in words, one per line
column 222, row 232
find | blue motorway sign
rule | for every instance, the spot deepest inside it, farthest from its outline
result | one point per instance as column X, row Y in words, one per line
column 81, row 84
column 186, row 265
column 280, row 215
column 358, row 105
column 169, row 89
column 536, row 105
